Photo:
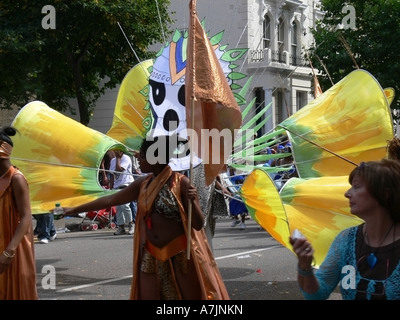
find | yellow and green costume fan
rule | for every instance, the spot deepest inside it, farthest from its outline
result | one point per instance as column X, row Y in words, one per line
column 132, row 116
column 317, row 207
column 349, row 123
column 59, row 157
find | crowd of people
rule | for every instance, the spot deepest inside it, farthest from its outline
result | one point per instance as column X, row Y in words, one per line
column 174, row 260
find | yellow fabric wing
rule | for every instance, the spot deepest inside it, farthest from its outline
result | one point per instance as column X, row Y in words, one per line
column 59, row 156
column 349, row 123
column 265, row 206
column 132, row 118
column 301, row 205
column 318, row 209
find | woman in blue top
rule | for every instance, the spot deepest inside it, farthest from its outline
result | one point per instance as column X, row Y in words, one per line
column 363, row 260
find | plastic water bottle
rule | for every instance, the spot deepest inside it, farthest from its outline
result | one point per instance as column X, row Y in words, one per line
column 297, row 234
column 58, row 211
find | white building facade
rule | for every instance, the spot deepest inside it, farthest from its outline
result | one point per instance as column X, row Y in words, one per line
column 277, row 35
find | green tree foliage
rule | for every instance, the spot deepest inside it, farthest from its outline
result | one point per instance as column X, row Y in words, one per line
column 85, row 54
column 371, row 34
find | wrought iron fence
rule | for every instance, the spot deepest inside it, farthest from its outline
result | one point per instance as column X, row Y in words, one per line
column 261, row 55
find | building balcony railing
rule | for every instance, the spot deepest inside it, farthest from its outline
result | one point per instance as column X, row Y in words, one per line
column 268, row 56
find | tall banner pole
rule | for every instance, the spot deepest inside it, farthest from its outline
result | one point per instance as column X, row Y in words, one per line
column 189, row 227
column 192, row 96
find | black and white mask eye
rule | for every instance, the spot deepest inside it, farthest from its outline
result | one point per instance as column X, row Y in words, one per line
column 157, row 92
column 166, row 106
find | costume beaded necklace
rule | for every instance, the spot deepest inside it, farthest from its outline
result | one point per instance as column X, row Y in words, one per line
column 371, row 258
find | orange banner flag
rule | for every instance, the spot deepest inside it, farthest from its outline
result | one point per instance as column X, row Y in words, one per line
column 317, row 86
column 211, row 108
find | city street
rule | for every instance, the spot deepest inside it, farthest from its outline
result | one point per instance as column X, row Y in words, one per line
column 96, row 265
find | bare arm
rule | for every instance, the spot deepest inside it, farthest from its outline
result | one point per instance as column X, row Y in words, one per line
column 126, row 195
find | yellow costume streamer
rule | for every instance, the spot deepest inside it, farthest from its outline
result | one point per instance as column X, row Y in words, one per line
column 349, row 123
column 317, row 207
column 265, row 206
column 59, row 157
column 132, row 118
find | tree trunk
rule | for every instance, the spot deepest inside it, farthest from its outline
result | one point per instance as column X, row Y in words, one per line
column 84, row 117
column 82, row 104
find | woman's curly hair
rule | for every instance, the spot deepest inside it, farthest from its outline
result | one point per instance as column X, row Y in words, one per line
column 393, row 149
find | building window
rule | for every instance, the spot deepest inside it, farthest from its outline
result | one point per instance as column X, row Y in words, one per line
column 281, row 40
column 301, row 99
column 266, row 32
column 294, row 43
column 260, row 102
column 280, row 106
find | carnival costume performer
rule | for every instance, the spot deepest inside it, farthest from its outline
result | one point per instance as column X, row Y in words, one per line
column 17, row 254
column 161, row 268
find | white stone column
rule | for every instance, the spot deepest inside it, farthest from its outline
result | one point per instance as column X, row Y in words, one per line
column 269, row 125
